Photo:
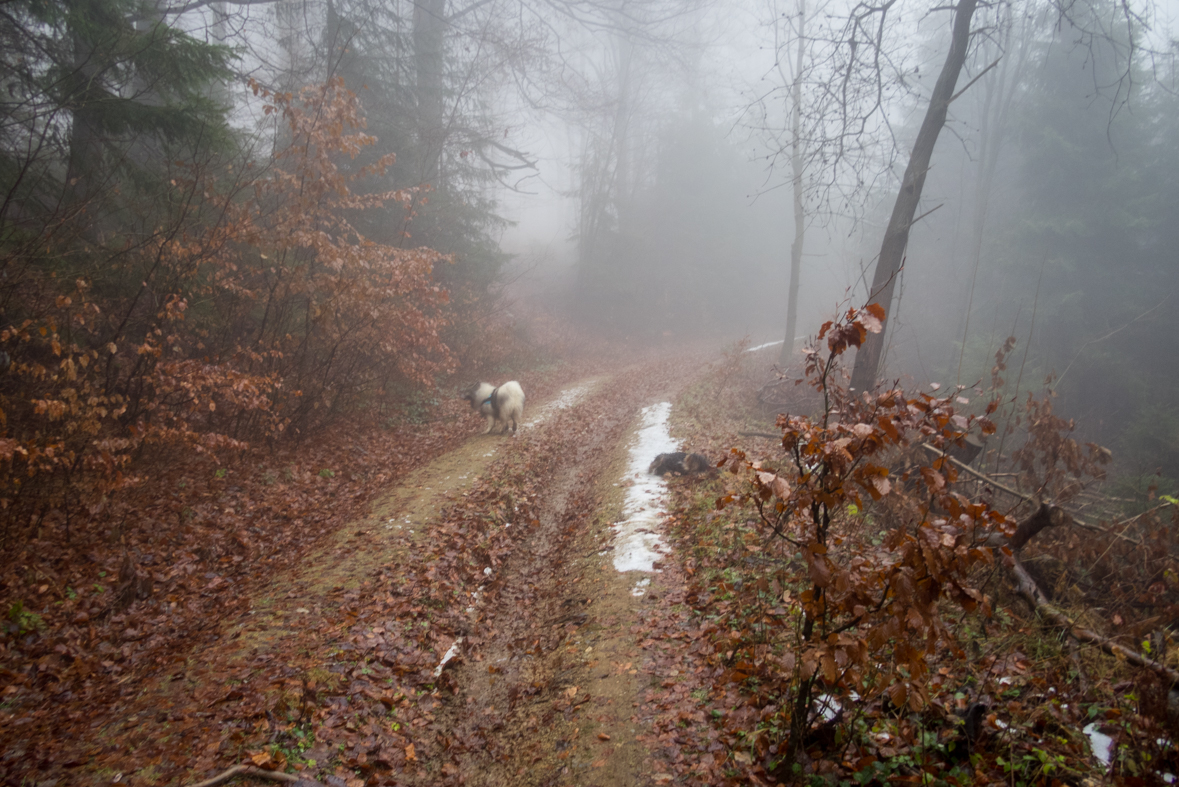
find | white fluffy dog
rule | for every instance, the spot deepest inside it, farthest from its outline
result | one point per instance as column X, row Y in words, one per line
column 500, row 405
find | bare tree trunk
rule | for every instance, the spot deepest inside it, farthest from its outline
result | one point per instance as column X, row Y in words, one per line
column 896, row 237
column 429, row 25
column 1000, row 92
column 622, row 135
column 607, row 174
column 291, row 17
column 1025, row 584
column 797, row 185
column 220, row 90
column 86, row 133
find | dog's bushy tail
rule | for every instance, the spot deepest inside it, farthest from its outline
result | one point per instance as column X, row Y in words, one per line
column 508, row 404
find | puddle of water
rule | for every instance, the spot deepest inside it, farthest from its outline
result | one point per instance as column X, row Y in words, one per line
column 637, row 542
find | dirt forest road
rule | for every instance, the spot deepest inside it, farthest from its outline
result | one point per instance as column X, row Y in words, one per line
column 470, row 630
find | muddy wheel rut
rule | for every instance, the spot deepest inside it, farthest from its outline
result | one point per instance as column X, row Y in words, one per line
column 551, row 684
column 547, row 678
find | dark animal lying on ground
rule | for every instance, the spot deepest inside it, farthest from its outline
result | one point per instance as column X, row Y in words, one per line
column 679, row 463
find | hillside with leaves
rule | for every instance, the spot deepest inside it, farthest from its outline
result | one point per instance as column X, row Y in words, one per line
column 419, row 604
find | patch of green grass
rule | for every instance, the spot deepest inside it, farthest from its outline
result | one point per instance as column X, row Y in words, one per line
column 22, row 621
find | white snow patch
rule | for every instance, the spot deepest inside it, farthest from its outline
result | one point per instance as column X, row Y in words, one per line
column 1100, row 743
column 641, row 586
column 450, row 654
column 829, row 706
column 637, row 543
column 475, row 594
column 797, row 339
column 568, row 398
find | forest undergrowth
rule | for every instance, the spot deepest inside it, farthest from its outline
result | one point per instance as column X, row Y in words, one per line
column 850, row 612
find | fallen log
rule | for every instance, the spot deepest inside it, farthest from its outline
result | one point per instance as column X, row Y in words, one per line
column 1074, row 518
column 258, row 773
column 1045, row 516
column 1026, row 586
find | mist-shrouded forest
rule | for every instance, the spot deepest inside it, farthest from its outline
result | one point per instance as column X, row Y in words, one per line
column 901, row 272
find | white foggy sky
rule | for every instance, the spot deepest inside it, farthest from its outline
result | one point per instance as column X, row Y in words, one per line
column 736, row 65
column 735, row 58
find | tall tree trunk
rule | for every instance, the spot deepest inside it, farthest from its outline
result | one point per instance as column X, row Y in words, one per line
column 607, row 181
column 86, row 134
column 593, row 197
column 622, row 141
column 796, row 184
column 298, row 59
column 219, row 90
column 896, row 237
column 291, row 17
column 429, row 26
column 1000, row 89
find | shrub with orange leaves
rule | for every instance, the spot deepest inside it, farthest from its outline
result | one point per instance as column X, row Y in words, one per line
column 253, row 307
column 868, row 614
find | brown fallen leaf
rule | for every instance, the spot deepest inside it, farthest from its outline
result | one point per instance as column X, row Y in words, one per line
column 603, row 736
column 409, row 754
column 263, row 760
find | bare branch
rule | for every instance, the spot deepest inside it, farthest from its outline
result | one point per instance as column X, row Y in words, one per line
column 971, row 82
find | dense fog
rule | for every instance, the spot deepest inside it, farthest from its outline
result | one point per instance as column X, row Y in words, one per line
column 661, row 171
column 613, row 392
column 1047, row 215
